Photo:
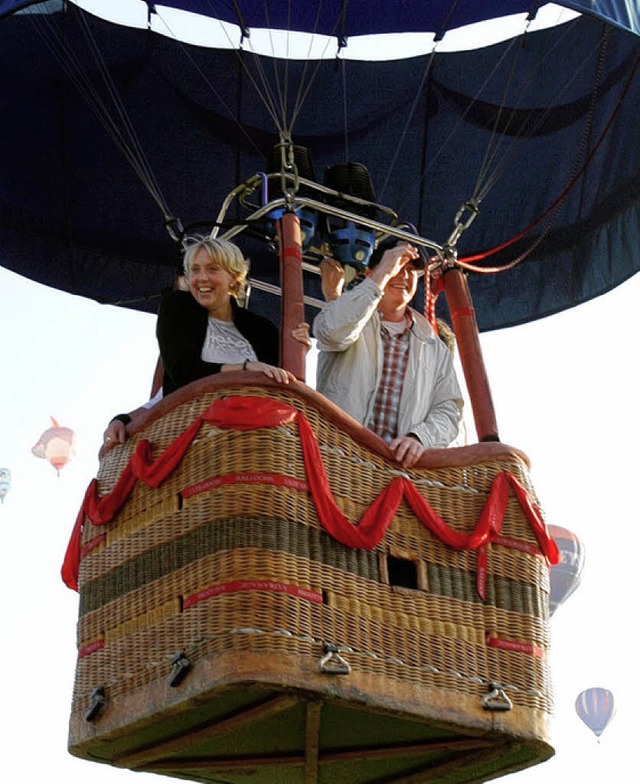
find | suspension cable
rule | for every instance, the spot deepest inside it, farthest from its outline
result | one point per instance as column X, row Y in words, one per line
column 345, row 114
column 530, row 127
column 466, row 262
column 123, row 136
column 412, row 111
column 208, row 82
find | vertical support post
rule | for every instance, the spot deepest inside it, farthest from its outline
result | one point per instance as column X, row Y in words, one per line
column 465, row 326
column 312, row 742
column 292, row 352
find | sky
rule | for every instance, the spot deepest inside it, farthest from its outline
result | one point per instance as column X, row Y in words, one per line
column 565, row 390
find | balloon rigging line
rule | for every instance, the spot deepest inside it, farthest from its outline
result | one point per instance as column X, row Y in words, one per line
column 465, row 262
column 345, row 110
column 492, row 146
column 492, row 167
column 492, row 149
column 281, row 93
column 301, row 94
column 405, row 129
column 71, row 66
column 438, row 37
column 208, row 82
column 555, row 210
column 525, row 130
column 587, row 131
column 445, row 144
column 482, row 189
column 266, row 96
column 124, row 135
column 265, row 91
column 282, row 123
column 130, row 132
column 445, row 22
column 135, row 153
column 261, row 84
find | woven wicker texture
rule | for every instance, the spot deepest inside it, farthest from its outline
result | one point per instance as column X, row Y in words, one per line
column 207, row 567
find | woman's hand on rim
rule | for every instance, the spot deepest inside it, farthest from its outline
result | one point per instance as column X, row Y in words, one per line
column 278, row 374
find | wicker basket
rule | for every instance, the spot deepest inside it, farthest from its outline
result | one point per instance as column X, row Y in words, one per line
column 225, row 634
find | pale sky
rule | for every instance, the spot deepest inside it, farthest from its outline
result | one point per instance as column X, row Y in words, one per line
column 565, row 390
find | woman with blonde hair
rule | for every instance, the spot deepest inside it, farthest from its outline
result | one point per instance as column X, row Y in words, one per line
column 204, row 330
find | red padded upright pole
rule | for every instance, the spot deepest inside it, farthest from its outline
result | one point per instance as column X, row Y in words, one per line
column 292, row 352
column 465, row 326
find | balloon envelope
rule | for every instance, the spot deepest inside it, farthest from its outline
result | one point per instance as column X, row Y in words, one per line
column 5, row 482
column 595, row 707
column 56, row 445
column 566, row 575
column 551, row 124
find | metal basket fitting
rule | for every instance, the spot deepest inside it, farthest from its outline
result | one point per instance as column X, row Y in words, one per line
column 496, row 699
column 97, row 701
column 180, row 666
column 331, row 662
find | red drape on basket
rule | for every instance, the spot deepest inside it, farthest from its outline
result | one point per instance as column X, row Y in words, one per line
column 249, row 413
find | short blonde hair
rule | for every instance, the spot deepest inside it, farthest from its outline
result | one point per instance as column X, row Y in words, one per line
column 446, row 334
column 222, row 252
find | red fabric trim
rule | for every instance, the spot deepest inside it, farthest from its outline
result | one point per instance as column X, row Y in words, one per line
column 90, row 546
column 518, row 544
column 292, row 251
column 481, row 577
column 92, row 647
column 519, row 647
column 248, row 413
column 251, row 585
column 463, row 313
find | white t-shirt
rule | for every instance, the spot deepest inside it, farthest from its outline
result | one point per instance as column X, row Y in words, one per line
column 223, row 343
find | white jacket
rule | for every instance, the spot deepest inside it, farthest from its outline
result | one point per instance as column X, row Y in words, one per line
column 350, row 366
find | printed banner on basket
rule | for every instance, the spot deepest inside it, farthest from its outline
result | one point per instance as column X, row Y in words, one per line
column 278, row 480
column 251, row 585
column 529, row 648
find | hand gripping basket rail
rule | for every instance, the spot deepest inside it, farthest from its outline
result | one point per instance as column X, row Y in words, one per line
column 266, row 597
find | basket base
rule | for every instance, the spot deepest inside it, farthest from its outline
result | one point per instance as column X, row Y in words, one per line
column 263, row 728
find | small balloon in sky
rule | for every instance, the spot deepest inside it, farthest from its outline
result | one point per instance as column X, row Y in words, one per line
column 595, row 707
column 56, row 445
column 565, row 576
column 5, row 483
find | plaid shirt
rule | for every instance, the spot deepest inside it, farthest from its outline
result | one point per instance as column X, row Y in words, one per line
column 394, row 367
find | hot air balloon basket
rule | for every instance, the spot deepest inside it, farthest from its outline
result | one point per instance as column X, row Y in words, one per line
column 284, row 561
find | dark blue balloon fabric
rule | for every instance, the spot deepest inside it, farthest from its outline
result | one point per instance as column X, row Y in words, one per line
column 548, row 121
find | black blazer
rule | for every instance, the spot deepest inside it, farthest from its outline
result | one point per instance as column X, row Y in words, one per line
column 181, row 328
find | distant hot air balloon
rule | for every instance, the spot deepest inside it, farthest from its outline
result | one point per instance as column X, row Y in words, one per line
column 57, row 445
column 566, row 575
column 5, row 483
column 596, row 708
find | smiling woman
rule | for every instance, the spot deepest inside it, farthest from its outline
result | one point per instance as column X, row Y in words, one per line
column 204, row 331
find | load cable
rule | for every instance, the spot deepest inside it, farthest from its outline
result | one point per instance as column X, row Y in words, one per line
column 123, row 135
